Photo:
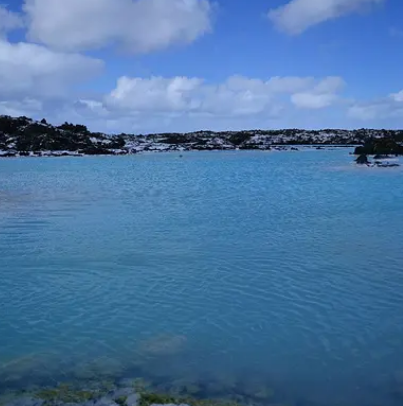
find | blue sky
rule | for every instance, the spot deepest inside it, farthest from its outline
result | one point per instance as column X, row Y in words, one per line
column 180, row 65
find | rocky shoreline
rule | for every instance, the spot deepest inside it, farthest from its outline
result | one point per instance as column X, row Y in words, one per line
column 157, row 148
column 134, row 392
column 129, row 394
column 140, row 392
column 23, row 136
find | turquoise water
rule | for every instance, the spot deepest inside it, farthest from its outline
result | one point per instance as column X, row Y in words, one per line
column 272, row 268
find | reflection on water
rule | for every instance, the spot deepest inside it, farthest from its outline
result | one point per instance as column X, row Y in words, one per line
column 263, row 278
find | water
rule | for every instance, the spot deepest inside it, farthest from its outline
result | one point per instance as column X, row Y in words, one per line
column 266, row 268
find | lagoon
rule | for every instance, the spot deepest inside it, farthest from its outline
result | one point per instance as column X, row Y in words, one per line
column 235, row 269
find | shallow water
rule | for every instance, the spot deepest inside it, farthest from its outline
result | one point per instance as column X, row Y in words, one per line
column 272, row 268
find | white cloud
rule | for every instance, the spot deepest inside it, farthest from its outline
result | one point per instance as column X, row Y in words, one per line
column 94, row 107
column 322, row 95
column 9, row 21
column 366, row 112
column 298, row 15
column 330, row 84
column 138, row 26
column 26, row 106
column 276, row 84
column 178, row 103
column 237, row 96
column 31, row 70
column 312, row 101
column 155, row 94
column 380, row 109
column 397, row 97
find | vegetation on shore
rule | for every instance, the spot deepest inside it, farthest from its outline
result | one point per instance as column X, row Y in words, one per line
column 23, row 136
column 381, row 148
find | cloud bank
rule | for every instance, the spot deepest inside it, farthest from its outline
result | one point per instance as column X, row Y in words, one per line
column 48, row 73
column 137, row 26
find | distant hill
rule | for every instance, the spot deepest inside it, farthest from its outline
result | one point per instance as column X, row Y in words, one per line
column 25, row 136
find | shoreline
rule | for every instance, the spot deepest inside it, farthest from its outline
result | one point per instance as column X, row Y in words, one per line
column 152, row 149
column 23, row 136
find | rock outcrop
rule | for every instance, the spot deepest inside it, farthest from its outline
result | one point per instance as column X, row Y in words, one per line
column 22, row 136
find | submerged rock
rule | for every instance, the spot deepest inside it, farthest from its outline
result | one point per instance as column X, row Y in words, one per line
column 259, row 391
column 65, row 394
column 104, row 401
column 132, row 399
column 121, row 392
column 162, row 345
column 141, row 385
column 362, row 160
column 102, row 367
column 183, row 388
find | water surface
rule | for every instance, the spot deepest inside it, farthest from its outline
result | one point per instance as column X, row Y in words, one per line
column 276, row 268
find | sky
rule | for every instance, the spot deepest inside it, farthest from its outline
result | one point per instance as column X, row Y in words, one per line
column 141, row 66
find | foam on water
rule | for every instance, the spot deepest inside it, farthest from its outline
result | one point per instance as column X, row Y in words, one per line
column 245, row 265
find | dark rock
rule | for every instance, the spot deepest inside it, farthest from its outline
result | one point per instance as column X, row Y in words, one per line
column 380, row 156
column 380, row 147
column 121, row 401
column 386, row 165
column 97, row 151
column 362, row 160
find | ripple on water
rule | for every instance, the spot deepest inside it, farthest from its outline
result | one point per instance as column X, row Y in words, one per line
column 273, row 267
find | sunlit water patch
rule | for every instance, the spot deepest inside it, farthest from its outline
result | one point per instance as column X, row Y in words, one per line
column 276, row 276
